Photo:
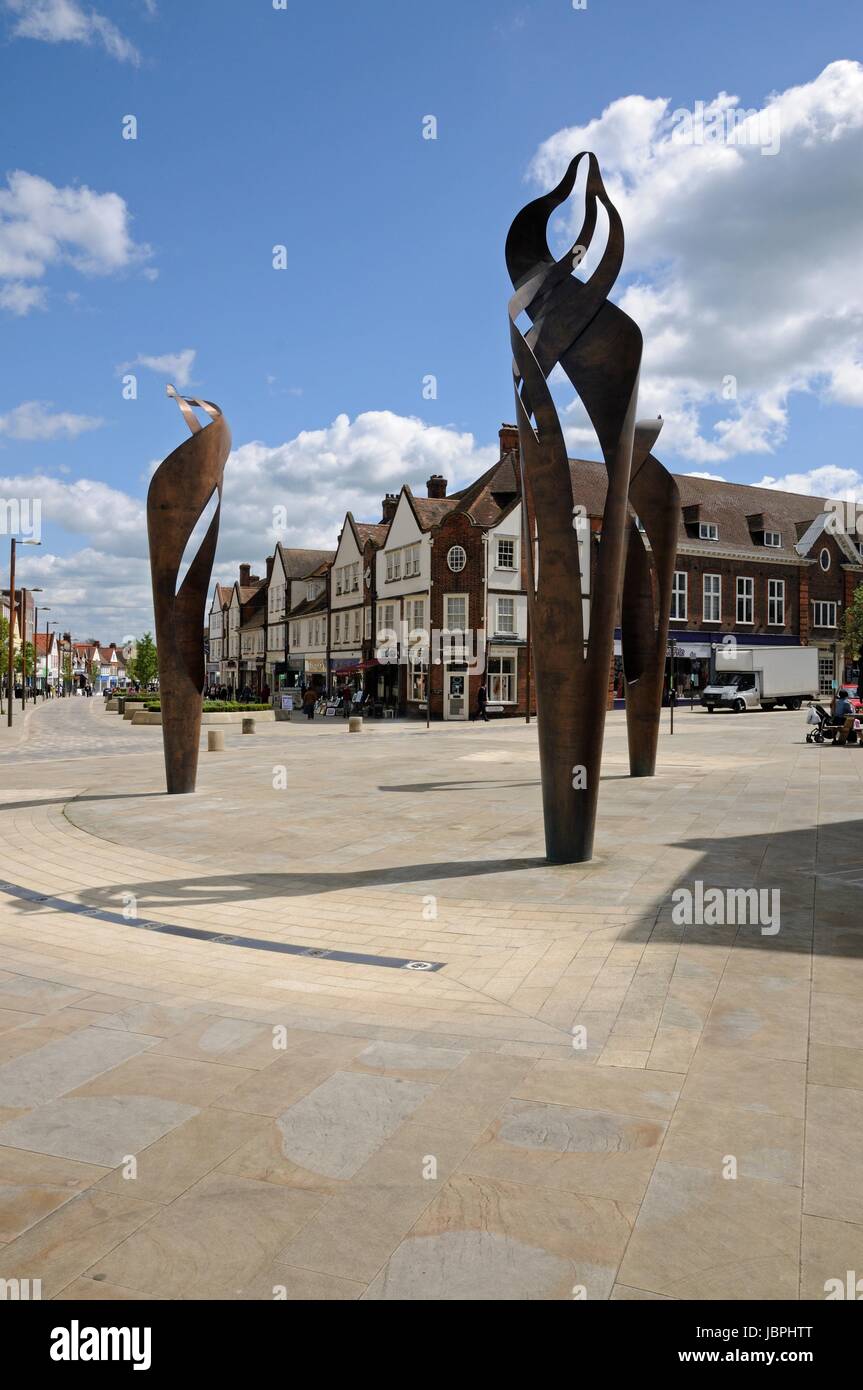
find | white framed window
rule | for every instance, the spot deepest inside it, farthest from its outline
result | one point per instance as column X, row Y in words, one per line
column 455, row 612
column 824, row 559
column 505, row 620
column 355, row 577
column 456, row 558
column 412, row 559
column 505, row 553
column 745, row 599
column 712, row 595
column 417, row 681
column 340, row 574
column 776, row 602
column 708, row 531
column 773, row 538
column 415, row 614
column 295, row 634
column 368, row 613
column 356, row 625
column 823, row 614
column 337, row 635
column 825, row 673
column 501, row 672
column 678, row 596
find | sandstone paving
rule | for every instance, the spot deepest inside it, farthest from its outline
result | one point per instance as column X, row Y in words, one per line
column 586, row 1099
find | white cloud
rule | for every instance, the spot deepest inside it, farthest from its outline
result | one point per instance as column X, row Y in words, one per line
column 696, row 473
column 747, row 265
column 828, row 480
column 176, row 365
column 42, row 225
column 321, row 474
column 64, row 21
column 89, row 594
column 107, row 517
column 19, row 299
column 35, row 420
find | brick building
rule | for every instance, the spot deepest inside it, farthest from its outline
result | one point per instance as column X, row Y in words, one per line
column 431, row 600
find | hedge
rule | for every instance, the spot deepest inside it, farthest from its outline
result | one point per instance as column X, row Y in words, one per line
column 214, row 707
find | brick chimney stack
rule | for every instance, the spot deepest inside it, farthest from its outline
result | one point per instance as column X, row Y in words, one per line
column 245, row 576
column 388, row 506
column 271, row 560
column 436, row 485
column 508, row 435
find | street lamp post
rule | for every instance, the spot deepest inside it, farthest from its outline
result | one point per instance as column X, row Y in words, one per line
column 24, row 593
column 10, row 670
column 48, row 627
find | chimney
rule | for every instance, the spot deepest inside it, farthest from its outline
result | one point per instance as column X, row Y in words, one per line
column 508, row 435
column 271, row 560
column 245, row 576
column 388, row 506
column 436, row 485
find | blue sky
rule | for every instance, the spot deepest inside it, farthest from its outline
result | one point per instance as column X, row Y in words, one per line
column 303, row 127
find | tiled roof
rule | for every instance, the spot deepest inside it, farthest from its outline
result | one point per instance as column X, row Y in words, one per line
column 299, row 564
column 727, row 504
column 309, row 605
column 372, row 531
column 431, row 511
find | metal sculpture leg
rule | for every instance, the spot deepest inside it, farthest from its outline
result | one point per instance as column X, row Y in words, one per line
column 180, row 492
column 646, row 603
column 599, row 348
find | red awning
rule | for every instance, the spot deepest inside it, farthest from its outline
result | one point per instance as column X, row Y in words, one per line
column 361, row 666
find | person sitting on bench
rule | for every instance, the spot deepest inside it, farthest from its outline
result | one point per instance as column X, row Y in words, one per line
column 843, row 715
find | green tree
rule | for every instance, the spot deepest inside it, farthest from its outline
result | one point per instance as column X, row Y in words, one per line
column 854, row 624
column 25, row 660
column 146, row 663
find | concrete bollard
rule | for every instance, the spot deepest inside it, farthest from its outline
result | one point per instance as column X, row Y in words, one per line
column 248, row 726
column 215, row 741
column 355, row 724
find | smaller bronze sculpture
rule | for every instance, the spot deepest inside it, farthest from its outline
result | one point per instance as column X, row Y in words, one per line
column 181, row 491
column 646, row 606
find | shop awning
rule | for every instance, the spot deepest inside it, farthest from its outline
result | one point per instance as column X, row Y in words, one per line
column 360, row 666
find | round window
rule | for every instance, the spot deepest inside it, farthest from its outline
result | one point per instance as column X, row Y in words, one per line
column 824, row 559
column 456, row 559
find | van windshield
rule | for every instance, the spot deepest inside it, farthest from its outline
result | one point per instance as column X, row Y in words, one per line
column 731, row 678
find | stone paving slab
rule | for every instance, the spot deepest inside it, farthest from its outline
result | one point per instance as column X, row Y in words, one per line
column 590, row 1098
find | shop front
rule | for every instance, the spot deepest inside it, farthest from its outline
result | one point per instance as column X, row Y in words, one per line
column 315, row 672
column 346, row 671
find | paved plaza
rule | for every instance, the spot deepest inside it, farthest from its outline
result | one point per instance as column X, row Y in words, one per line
column 382, row 1050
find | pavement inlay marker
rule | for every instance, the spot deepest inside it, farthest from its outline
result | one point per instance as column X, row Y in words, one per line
column 251, row 943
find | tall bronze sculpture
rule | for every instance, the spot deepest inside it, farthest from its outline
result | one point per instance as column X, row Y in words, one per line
column 184, row 486
column 599, row 348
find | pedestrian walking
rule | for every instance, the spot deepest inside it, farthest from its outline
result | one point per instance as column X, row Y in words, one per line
column 481, row 701
column 309, row 701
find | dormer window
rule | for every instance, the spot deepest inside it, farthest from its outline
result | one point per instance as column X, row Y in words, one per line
column 708, row 531
column 773, row 538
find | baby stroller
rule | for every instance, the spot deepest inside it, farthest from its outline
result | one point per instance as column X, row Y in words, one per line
column 823, row 729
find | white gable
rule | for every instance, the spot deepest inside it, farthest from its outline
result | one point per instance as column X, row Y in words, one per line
column 404, row 529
